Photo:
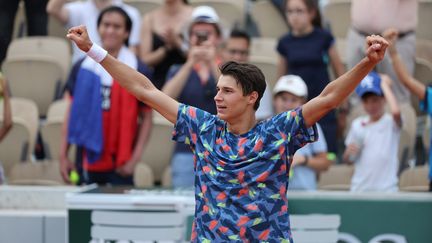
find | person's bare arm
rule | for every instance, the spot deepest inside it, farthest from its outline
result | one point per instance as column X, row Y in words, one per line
column 175, row 85
column 282, row 66
column 66, row 166
column 386, row 83
column 338, row 90
column 317, row 162
column 142, row 139
column 147, row 55
column 7, row 111
column 415, row 86
column 336, row 62
column 350, row 152
column 130, row 79
column 56, row 9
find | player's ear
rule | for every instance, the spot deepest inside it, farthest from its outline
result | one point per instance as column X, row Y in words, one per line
column 253, row 97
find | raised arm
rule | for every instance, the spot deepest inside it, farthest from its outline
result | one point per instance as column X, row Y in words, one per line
column 136, row 83
column 338, row 90
column 56, row 9
column 386, row 83
column 415, row 86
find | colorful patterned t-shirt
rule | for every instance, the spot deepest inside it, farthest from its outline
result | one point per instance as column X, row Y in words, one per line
column 241, row 180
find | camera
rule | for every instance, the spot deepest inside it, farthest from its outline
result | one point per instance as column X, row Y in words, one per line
column 201, row 37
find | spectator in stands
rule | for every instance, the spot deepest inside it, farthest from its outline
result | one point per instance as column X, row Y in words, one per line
column 236, row 48
column 36, row 16
column 369, row 16
column 86, row 13
column 103, row 117
column 194, row 83
column 373, row 140
column 423, row 92
column 7, row 118
column 289, row 93
column 161, row 40
column 306, row 51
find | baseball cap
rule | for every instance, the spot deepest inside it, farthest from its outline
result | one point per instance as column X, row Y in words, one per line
column 205, row 14
column 370, row 84
column 293, row 84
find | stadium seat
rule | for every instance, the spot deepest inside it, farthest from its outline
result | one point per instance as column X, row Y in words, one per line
column 167, row 177
column 424, row 30
column 34, row 77
column 143, row 176
column 55, row 28
column 408, row 134
column 15, row 146
column 414, row 179
column 232, row 13
column 263, row 47
column 45, row 46
column 317, row 228
column 268, row 66
column 337, row 177
column 338, row 14
column 144, row 6
column 36, row 173
column 158, row 151
column 57, row 109
column 51, row 131
column 269, row 21
column 424, row 49
column 25, row 112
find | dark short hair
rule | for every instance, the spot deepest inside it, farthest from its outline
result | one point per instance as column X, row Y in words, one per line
column 237, row 33
column 248, row 76
column 115, row 9
column 369, row 94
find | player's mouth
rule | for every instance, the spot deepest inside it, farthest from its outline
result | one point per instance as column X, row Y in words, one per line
column 221, row 108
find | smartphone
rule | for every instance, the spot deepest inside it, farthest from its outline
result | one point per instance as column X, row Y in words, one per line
column 201, row 37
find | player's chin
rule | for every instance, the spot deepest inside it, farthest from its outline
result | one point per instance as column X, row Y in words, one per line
column 223, row 116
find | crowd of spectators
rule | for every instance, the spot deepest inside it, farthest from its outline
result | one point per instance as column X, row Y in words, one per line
column 180, row 48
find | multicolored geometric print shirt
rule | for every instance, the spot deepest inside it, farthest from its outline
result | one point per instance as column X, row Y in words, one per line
column 241, row 180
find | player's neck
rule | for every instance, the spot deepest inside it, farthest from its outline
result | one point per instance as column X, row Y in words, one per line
column 242, row 124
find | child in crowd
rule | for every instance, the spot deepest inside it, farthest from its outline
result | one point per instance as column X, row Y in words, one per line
column 423, row 92
column 289, row 93
column 306, row 51
column 373, row 140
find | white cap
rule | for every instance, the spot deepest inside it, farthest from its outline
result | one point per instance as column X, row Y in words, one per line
column 293, row 84
column 205, row 14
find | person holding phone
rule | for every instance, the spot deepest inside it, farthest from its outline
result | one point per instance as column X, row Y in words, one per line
column 194, row 83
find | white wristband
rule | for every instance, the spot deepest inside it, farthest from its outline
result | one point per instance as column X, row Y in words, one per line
column 97, row 53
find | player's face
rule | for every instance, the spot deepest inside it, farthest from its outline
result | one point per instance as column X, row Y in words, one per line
column 374, row 106
column 231, row 104
column 285, row 101
column 112, row 30
column 236, row 49
column 298, row 15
